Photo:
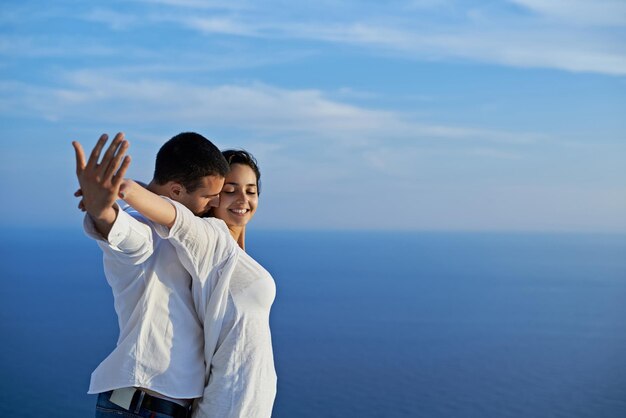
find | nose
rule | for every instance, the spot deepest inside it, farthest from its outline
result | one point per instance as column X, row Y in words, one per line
column 215, row 201
column 241, row 196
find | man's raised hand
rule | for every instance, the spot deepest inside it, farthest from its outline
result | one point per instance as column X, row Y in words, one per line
column 100, row 180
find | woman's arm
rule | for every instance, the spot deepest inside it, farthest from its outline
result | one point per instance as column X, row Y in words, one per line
column 200, row 242
column 150, row 205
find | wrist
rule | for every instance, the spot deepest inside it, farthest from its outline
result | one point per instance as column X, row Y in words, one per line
column 108, row 215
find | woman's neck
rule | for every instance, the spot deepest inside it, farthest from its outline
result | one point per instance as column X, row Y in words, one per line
column 239, row 234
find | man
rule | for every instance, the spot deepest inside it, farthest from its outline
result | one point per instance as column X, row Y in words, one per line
column 158, row 363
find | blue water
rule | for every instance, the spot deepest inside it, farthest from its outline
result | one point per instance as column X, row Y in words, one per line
column 364, row 324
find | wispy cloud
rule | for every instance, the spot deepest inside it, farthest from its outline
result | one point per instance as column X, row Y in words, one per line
column 577, row 35
column 42, row 47
column 115, row 20
column 201, row 4
column 597, row 12
column 256, row 107
column 496, row 153
column 518, row 45
column 222, row 25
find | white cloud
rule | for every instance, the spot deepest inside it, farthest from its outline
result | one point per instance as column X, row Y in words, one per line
column 596, row 12
column 266, row 110
column 496, row 153
column 523, row 47
column 511, row 42
column 572, row 35
column 115, row 20
column 200, row 4
column 422, row 30
column 221, row 25
column 300, row 131
column 528, row 48
column 43, row 47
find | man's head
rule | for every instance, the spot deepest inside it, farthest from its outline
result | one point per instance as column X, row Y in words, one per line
column 190, row 170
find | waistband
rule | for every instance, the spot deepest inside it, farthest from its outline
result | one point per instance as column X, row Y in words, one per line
column 133, row 400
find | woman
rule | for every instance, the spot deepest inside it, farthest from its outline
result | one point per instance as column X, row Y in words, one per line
column 232, row 293
column 240, row 195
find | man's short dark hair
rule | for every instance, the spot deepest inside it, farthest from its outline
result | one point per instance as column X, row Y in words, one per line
column 186, row 159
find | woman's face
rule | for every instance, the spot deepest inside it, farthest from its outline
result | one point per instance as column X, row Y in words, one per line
column 239, row 196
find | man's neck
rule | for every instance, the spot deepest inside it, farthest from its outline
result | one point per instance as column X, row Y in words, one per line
column 156, row 188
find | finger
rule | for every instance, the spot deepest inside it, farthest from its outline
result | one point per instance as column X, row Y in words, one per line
column 78, row 193
column 95, row 153
column 121, row 173
column 114, row 164
column 108, row 159
column 80, row 156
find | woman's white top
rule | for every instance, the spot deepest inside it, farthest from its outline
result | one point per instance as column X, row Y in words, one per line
column 233, row 302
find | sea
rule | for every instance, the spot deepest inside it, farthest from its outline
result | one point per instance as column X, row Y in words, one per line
column 364, row 325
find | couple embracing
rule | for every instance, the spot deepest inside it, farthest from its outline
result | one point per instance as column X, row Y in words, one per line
column 192, row 306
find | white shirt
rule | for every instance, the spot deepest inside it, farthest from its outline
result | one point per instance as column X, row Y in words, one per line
column 160, row 345
column 236, row 303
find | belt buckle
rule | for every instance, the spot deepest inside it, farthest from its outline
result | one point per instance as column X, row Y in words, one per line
column 123, row 397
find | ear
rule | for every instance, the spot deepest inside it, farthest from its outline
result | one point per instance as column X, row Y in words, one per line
column 175, row 190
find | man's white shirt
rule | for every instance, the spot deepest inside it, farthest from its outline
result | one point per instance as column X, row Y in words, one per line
column 160, row 344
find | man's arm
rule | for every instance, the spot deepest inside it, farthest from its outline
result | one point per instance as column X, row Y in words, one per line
column 100, row 181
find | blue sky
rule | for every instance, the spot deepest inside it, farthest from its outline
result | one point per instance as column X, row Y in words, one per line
column 402, row 115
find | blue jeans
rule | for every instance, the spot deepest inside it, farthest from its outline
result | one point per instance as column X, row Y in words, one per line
column 107, row 409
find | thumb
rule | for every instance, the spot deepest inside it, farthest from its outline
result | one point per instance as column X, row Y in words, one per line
column 123, row 189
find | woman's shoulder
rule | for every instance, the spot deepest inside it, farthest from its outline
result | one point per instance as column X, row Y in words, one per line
column 217, row 224
column 224, row 238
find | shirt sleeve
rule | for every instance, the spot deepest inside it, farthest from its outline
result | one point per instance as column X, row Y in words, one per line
column 130, row 239
column 201, row 243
